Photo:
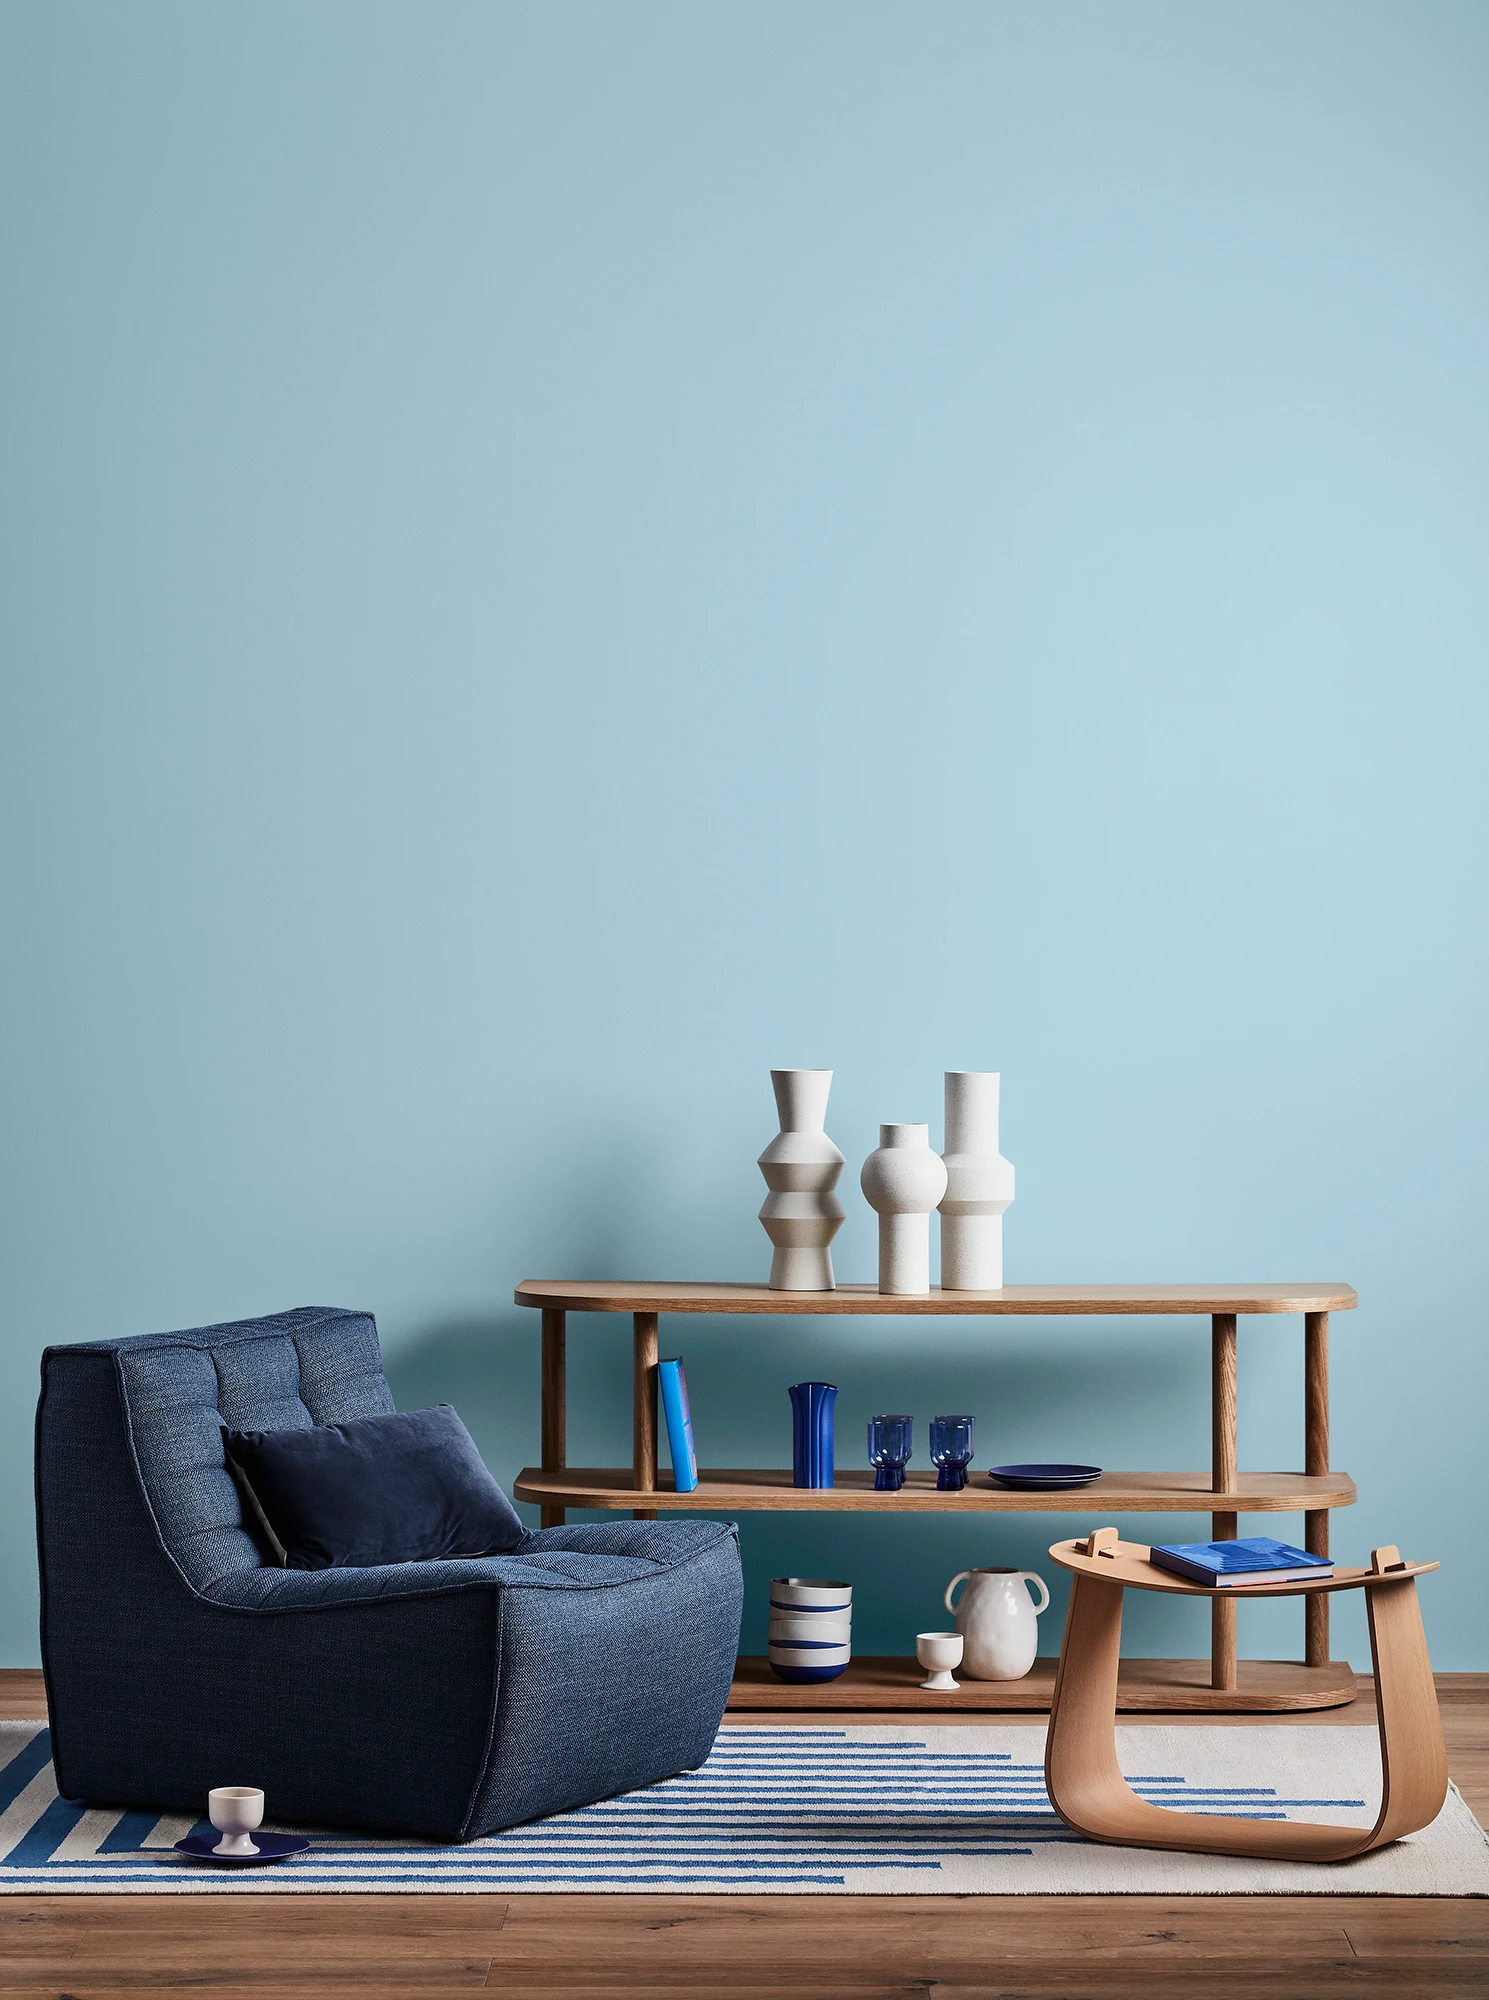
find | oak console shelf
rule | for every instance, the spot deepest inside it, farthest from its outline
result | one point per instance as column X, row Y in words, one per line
column 1223, row 1493
column 737, row 1491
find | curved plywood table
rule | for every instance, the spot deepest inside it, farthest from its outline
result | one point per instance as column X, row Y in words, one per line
column 1085, row 1782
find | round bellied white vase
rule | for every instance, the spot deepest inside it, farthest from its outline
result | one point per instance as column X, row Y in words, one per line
column 801, row 1214
column 979, row 1184
column 902, row 1182
column 1000, row 1635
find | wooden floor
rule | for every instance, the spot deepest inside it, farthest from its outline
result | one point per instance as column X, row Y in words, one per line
column 772, row 1947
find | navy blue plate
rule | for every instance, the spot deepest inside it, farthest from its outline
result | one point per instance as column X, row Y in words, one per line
column 271, row 1847
column 1043, row 1478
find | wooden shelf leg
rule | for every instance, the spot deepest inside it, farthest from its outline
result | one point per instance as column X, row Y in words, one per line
column 555, row 1405
column 644, row 1412
column 1316, row 1460
column 1223, row 1527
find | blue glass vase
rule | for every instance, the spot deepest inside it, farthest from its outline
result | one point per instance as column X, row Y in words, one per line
column 811, row 1433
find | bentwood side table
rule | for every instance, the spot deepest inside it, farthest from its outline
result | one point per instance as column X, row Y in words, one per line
column 1221, row 1684
column 1081, row 1771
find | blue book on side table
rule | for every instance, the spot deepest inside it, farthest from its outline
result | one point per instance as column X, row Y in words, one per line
column 1224, row 1565
column 674, row 1387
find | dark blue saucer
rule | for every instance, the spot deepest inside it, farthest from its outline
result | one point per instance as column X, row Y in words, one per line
column 271, row 1847
column 1043, row 1478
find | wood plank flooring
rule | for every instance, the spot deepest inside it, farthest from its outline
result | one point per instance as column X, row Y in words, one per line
column 772, row 1947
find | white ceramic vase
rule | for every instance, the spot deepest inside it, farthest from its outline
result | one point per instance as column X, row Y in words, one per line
column 998, row 1624
column 979, row 1185
column 801, row 1214
column 902, row 1182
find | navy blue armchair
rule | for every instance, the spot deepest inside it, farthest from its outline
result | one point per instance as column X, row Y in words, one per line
column 447, row 1698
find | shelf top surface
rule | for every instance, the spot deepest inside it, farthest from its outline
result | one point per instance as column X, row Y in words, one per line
column 751, row 1489
column 1130, row 1563
column 633, row 1296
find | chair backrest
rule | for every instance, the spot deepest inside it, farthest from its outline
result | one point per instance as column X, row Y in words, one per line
column 175, row 1393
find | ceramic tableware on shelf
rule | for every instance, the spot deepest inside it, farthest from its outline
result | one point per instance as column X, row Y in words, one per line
column 811, row 1622
column 938, row 1653
column 1043, row 1478
column 807, row 1630
column 997, row 1621
column 810, row 1593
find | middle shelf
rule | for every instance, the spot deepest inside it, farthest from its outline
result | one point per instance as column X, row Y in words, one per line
column 770, row 1488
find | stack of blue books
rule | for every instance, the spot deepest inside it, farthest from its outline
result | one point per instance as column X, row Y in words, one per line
column 1227, row 1565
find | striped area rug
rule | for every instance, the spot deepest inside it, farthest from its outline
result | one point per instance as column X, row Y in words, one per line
column 954, row 1810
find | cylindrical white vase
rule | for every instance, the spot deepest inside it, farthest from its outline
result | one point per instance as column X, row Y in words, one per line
column 979, row 1185
column 801, row 1214
column 902, row 1182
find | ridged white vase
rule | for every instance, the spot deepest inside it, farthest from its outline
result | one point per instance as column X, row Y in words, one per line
column 979, row 1184
column 801, row 1214
column 902, row 1182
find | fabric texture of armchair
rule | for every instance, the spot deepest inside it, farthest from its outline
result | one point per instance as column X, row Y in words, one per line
column 447, row 1698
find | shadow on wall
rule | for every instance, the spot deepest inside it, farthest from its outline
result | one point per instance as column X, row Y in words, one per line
column 479, row 1363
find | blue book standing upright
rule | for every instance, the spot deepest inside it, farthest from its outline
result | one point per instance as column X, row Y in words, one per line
column 674, row 1387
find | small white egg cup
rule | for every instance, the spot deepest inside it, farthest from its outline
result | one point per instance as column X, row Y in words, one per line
column 939, row 1652
column 236, row 1811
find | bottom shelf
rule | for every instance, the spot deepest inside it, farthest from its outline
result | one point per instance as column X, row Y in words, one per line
column 1165, row 1685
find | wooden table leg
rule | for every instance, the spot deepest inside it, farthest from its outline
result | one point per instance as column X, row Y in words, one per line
column 555, row 1406
column 1412, row 1750
column 1223, row 1527
column 644, row 1412
column 1316, row 1460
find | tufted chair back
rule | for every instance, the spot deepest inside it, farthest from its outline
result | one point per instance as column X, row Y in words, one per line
column 177, row 1391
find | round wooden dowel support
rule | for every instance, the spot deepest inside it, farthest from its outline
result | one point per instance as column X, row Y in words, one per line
column 644, row 1412
column 1223, row 1469
column 1316, row 1459
column 555, row 1405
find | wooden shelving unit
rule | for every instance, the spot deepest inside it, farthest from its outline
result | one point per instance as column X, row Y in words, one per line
column 1224, row 1492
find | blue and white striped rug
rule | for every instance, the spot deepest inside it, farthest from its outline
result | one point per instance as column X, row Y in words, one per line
column 949, row 1809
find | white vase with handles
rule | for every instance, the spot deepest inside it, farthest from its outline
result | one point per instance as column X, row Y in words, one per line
column 998, row 1623
column 801, row 1214
column 979, row 1184
column 902, row 1182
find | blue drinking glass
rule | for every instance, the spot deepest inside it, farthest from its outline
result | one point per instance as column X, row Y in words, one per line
column 889, row 1451
column 951, row 1451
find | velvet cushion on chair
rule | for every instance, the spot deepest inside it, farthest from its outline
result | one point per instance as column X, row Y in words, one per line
column 406, row 1487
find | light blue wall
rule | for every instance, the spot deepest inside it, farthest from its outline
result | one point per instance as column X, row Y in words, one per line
column 558, row 556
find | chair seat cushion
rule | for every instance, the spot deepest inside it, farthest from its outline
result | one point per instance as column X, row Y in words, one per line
column 406, row 1487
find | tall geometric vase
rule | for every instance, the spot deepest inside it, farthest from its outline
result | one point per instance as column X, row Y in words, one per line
column 903, row 1181
column 811, row 1433
column 979, row 1185
column 801, row 1214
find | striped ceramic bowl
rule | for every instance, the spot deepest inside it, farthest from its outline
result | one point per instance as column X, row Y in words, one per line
column 811, row 1627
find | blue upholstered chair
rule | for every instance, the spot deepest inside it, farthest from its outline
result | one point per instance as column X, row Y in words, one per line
column 445, row 1698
